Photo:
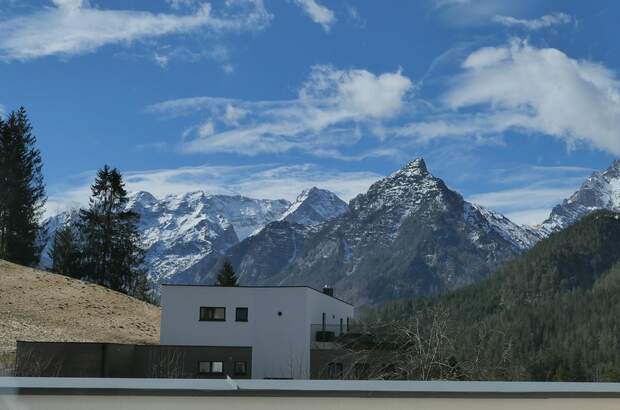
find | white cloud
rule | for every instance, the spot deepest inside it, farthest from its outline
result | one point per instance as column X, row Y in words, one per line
column 206, row 129
column 536, row 90
column 234, row 114
column 318, row 13
column 523, row 204
column 161, row 60
column 545, row 21
column 465, row 13
column 329, row 107
column 257, row 181
column 179, row 4
column 72, row 27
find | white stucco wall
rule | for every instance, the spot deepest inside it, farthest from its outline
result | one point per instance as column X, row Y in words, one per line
column 280, row 344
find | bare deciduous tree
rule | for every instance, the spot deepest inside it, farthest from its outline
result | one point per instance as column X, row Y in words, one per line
column 423, row 347
column 166, row 363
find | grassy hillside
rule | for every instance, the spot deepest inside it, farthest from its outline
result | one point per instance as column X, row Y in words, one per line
column 42, row 306
column 551, row 314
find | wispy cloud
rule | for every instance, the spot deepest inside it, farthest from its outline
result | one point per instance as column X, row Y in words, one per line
column 531, row 90
column 317, row 13
column 527, row 205
column 466, row 13
column 69, row 27
column 514, row 87
column 257, row 181
column 545, row 21
column 329, row 107
column 532, row 191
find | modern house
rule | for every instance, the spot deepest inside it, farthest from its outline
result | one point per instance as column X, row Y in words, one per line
column 260, row 332
column 279, row 325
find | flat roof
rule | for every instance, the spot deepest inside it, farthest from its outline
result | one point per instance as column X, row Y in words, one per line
column 292, row 388
column 257, row 287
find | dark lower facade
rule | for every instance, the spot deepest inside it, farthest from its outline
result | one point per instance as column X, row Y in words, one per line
column 342, row 364
column 64, row 359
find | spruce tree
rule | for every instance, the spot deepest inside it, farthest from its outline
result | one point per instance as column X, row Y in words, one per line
column 65, row 252
column 112, row 254
column 22, row 192
column 227, row 276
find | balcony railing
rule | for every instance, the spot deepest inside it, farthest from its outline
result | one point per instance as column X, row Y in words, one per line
column 332, row 333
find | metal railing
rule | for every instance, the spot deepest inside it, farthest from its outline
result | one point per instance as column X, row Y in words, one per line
column 326, row 333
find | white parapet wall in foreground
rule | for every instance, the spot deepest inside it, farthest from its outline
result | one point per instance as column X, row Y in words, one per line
column 160, row 394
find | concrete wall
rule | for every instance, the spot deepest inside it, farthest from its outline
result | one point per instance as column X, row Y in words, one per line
column 51, row 359
column 128, row 394
column 278, row 327
column 75, row 402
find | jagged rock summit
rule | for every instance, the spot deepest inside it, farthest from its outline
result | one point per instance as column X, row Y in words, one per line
column 314, row 206
column 600, row 191
column 408, row 235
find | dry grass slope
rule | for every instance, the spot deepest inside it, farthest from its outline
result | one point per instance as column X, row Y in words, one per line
column 42, row 306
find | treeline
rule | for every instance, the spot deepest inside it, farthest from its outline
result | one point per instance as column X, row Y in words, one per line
column 101, row 244
column 552, row 314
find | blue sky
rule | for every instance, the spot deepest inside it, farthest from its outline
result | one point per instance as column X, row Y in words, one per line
column 513, row 104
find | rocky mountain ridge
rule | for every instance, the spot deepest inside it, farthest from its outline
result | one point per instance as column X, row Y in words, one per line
column 600, row 191
column 408, row 235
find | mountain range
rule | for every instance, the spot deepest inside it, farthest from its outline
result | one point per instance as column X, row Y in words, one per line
column 408, row 235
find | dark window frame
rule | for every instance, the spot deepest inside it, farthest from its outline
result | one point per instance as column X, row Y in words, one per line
column 247, row 314
column 204, row 318
column 245, row 366
column 210, row 372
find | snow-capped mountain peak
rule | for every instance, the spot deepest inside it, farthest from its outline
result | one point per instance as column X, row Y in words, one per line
column 314, row 206
column 417, row 167
column 600, row 191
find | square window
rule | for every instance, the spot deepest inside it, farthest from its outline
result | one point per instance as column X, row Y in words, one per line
column 213, row 314
column 241, row 368
column 241, row 315
column 204, row 367
column 217, row 367
column 210, row 367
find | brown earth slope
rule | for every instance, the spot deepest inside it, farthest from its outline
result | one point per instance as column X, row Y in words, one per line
column 42, row 306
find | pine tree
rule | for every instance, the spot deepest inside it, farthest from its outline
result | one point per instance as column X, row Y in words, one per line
column 227, row 276
column 65, row 252
column 22, row 192
column 111, row 243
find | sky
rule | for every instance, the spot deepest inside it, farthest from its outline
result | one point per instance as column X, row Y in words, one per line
column 512, row 104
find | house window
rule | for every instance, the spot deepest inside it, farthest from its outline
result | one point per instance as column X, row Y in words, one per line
column 241, row 368
column 241, row 315
column 213, row 314
column 334, row 371
column 210, row 367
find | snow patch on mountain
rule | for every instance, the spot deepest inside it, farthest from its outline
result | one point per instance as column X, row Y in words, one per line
column 520, row 236
column 314, row 206
column 180, row 231
column 600, row 191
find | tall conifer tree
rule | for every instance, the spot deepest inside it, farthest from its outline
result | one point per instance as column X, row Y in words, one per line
column 65, row 252
column 227, row 275
column 22, row 192
column 111, row 245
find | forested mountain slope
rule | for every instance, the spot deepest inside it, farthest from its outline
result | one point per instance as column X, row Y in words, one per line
column 554, row 311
